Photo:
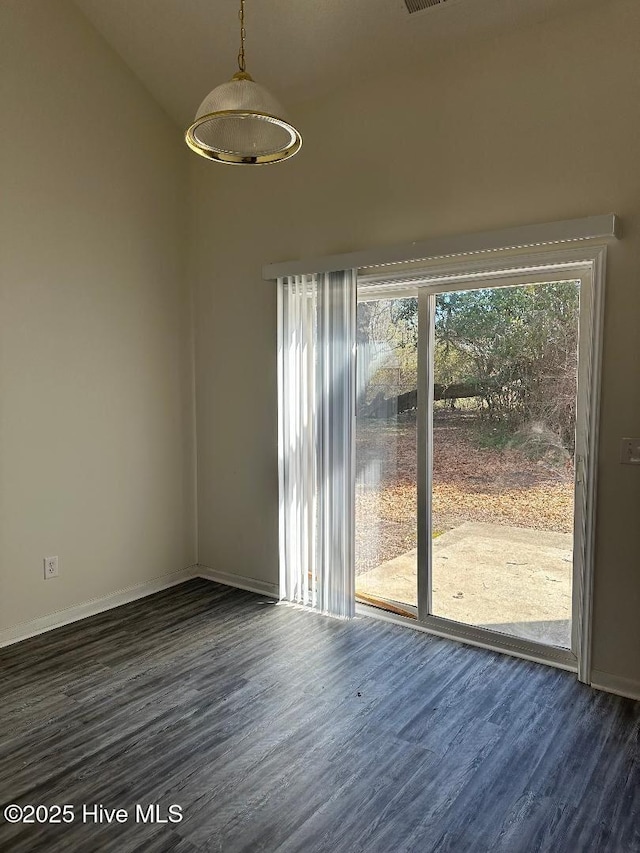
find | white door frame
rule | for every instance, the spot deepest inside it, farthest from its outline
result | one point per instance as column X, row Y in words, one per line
column 585, row 262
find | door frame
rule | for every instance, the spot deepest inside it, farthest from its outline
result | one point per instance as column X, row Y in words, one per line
column 584, row 262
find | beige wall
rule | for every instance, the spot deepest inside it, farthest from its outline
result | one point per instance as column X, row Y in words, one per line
column 96, row 425
column 537, row 126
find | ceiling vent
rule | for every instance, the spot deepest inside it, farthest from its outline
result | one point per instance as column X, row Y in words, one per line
column 419, row 5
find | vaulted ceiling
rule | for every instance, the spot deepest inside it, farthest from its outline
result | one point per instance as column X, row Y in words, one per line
column 301, row 49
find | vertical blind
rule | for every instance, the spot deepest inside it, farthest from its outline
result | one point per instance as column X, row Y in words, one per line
column 316, row 408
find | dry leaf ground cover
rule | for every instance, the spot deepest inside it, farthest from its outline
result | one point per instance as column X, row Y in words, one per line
column 471, row 483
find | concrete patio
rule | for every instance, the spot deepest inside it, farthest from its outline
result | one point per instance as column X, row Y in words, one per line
column 510, row 579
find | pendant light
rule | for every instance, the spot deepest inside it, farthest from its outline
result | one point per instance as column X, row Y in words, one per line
column 241, row 123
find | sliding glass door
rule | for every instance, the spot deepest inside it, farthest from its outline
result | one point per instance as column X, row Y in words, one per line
column 469, row 433
column 503, row 393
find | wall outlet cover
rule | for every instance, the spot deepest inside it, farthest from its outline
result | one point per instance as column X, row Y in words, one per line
column 50, row 567
column 630, row 451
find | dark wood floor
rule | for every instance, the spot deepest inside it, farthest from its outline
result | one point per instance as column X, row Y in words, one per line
column 279, row 730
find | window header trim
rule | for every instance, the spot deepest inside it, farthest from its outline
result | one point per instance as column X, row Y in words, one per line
column 604, row 227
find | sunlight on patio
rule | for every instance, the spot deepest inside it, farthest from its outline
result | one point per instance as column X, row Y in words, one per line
column 509, row 579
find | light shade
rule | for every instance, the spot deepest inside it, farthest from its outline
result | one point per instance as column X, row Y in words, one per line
column 241, row 123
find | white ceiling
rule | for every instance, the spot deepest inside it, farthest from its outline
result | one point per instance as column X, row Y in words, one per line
column 300, row 49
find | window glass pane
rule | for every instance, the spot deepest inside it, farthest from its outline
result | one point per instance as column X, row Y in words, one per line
column 386, row 451
column 505, row 383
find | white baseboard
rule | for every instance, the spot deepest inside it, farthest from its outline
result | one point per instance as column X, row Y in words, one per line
column 239, row 581
column 615, row 684
column 600, row 680
column 24, row 630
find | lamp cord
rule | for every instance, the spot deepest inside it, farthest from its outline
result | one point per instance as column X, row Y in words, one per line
column 241, row 61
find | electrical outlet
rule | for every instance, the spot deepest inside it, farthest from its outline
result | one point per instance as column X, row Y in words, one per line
column 50, row 567
column 630, row 451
